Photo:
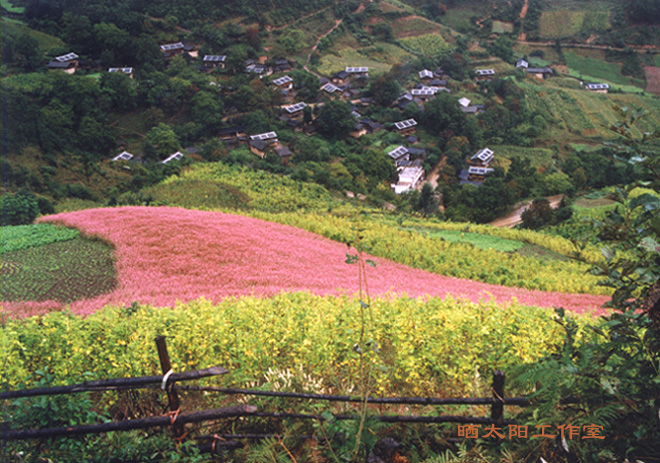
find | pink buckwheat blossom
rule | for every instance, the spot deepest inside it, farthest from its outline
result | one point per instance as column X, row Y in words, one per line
column 166, row 255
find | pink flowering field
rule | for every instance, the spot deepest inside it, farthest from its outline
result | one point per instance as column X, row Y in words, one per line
column 168, row 255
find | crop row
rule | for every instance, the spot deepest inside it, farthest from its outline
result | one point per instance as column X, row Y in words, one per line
column 63, row 271
column 412, row 346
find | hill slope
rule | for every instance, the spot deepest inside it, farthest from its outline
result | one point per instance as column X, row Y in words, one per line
column 169, row 255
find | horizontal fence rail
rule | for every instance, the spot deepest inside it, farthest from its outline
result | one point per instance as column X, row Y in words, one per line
column 518, row 401
column 126, row 425
column 116, row 383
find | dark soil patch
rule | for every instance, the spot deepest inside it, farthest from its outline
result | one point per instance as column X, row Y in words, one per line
column 532, row 250
column 65, row 272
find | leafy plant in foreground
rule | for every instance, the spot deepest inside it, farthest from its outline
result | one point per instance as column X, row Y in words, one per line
column 612, row 378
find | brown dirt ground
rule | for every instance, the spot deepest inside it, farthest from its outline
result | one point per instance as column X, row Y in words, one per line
column 652, row 79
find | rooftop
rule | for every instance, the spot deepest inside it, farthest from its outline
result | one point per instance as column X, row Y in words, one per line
column 484, row 155
column 282, row 80
column 405, row 124
column 264, row 136
column 294, row 108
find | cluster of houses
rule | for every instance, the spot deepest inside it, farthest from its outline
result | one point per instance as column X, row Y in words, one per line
column 477, row 167
column 346, row 85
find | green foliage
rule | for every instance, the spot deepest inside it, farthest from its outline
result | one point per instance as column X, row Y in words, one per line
column 335, row 119
column 161, row 142
column 18, row 209
column 28, row 236
column 614, row 374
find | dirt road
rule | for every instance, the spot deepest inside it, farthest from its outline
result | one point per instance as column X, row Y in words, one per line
column 513, row 218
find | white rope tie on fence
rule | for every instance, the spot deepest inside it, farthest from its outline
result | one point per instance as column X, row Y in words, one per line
column 166, row 377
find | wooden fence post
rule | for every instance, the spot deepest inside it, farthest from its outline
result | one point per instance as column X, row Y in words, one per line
column 172, row 397
column 497, row 409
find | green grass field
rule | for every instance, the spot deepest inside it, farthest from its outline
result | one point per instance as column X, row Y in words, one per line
column 21, row 237
column 427, row 45
column 500, row 27
column 597, row 69
column 476, row 239
column 578, row 113
column 338, row 59
column 564, row 23
column 7, row 5
column 412, row 26
column 539, row 157
column 64, row 271
column 15, row 28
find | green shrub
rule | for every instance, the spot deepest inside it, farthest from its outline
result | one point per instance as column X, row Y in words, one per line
column 18, row 209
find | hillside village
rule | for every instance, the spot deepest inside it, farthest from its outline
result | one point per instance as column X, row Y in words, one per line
column 378, row 126
column 392, row 231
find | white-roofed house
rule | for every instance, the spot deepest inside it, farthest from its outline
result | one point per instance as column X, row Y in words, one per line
column 173, row 157
column 409, row 178
column 521, row 63
column 214, row 61
column 426, row 75
column 360, row 72
column 171, row 49
column 284, row 82
column 464, row 102
column 482, row 158
column 478, row 174
column 294, row 111
column 67, row 63
column 260, row 142
column 123, row 156
column 126, row 71
column 597, row 88
column 406, row 127
column 484, row 74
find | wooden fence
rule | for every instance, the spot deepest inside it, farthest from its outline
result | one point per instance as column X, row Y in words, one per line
column 177, row 420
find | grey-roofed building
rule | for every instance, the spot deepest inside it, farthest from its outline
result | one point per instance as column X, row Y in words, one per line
column 541, row 73
column 521, row 63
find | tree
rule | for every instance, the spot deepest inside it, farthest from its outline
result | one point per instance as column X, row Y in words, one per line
column 538, row 214
column 427, row 203
column 161, row 141
column 335, row 119
column 293, row 41
column 207, row 110
column 119, row 90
